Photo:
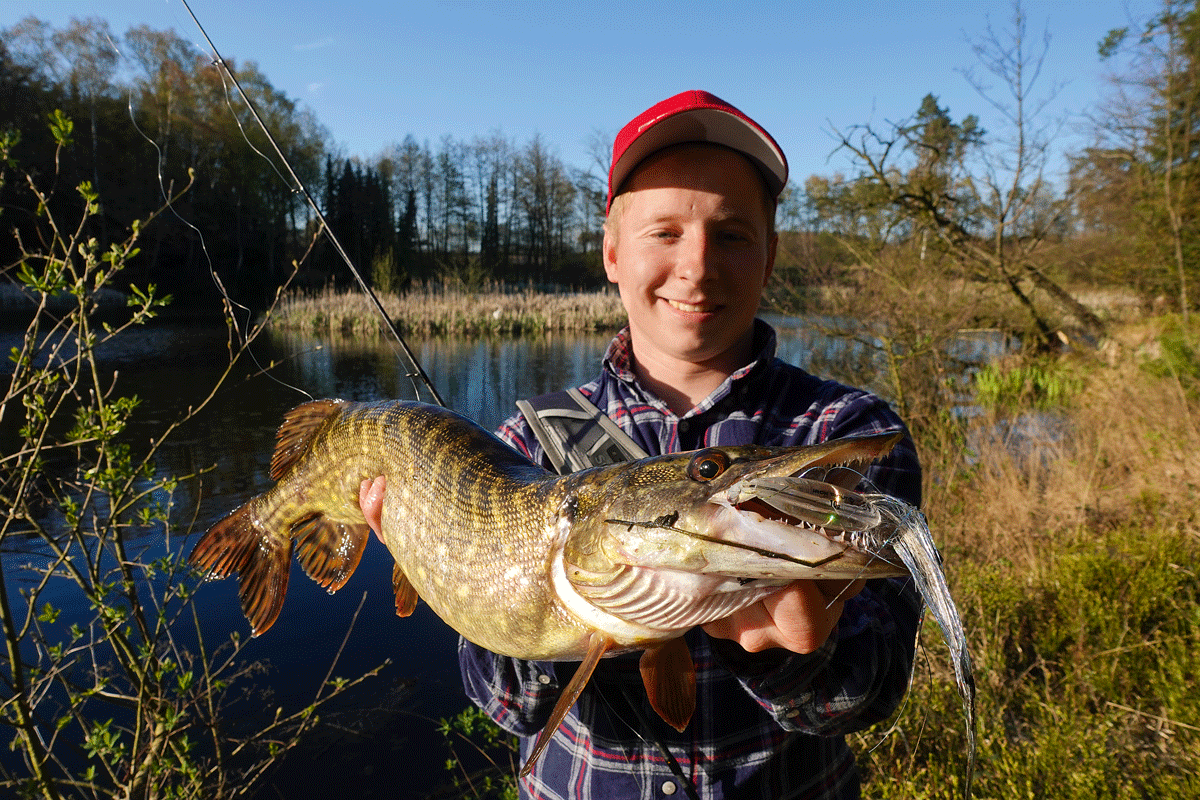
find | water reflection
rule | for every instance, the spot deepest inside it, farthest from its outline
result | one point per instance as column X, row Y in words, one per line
column 481, row 378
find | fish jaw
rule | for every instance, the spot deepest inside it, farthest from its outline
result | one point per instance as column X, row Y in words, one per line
column 678, row 546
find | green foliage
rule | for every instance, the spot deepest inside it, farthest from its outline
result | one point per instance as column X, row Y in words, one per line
column 384, row 275
column 1038, row 385
column 1089, row 675
column 490, row 743
column 61, row 128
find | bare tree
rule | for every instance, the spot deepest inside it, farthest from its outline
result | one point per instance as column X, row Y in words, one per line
column 989, row 203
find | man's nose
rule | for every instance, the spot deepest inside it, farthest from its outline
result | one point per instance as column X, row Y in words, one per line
column 695, row 261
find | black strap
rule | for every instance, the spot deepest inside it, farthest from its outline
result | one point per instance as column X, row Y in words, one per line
column 575, row 434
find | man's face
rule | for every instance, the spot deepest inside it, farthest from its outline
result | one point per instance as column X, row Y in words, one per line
column 690, row 252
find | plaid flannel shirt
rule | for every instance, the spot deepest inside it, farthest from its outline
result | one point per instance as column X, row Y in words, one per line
column 767, row 725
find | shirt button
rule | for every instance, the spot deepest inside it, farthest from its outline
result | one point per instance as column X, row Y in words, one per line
column 683, row 426
column 544, row 679
column 668, row 787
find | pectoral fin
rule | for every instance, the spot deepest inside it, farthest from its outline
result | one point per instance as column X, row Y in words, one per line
column 598, row 645
column 670, row 679
column 406, row 595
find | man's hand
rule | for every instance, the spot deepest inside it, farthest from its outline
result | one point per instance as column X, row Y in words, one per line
column 370, row 499
column 799, row 617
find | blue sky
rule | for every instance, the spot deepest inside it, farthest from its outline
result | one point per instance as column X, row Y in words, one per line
column 376, row 71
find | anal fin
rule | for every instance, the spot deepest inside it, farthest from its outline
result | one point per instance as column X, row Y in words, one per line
column 406, row 595
column 670, row 680
column 598, row 645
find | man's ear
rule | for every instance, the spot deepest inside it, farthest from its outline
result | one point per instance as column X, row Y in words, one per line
column 609, row 253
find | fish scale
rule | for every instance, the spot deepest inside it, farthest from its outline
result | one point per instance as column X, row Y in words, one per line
column 537, row 566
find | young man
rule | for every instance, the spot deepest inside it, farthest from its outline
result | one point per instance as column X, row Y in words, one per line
column 690, row 243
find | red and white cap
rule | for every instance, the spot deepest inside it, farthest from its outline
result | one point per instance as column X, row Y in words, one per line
column 695, row 116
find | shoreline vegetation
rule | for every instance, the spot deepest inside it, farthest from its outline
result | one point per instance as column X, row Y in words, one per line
column 1067, row 514
column 438, row 309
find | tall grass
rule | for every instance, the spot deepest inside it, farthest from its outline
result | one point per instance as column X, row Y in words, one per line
column 1073, row 552
column 439, row 309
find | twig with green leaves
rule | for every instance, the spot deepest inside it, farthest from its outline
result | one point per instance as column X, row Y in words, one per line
column 111, row 703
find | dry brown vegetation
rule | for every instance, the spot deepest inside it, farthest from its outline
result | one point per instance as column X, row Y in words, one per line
column 1072, row 549
column 439, row 309
column 1125, row 448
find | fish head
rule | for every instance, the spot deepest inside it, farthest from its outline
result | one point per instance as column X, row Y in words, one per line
column 714, row 527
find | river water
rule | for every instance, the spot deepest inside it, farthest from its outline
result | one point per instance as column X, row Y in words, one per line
column 391, row 747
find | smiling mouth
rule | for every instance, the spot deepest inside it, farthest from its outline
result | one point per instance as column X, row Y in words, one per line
column 693, row 308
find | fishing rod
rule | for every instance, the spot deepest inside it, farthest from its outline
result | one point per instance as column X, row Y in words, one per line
column 689, row 788
column 419, row 371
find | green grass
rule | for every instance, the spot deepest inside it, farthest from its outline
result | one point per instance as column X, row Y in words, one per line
column 1037, row 386
column 1088, row 668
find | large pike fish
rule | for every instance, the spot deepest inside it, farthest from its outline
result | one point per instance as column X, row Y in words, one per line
column 539, row 566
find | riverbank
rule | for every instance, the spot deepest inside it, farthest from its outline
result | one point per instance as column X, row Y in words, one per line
column 440, row 310
column 1071, row 535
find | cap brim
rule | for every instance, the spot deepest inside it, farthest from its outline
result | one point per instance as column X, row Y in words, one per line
column 711, row 125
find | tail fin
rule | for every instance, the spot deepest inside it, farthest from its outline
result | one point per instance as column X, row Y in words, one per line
column 236, row 544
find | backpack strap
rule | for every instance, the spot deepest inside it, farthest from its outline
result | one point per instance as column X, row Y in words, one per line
column 575, row 434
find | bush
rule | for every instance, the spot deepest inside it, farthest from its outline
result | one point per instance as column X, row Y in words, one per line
column 111, row 702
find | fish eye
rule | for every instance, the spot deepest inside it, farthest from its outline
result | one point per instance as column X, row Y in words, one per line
column 707, row 464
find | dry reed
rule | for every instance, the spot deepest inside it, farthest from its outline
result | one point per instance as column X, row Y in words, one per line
column 1071, row 548
column 1127, row 445
column 431, row 309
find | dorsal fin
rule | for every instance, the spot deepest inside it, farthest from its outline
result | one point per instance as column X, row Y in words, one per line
column 598, row 645
column 406, row 595
column 670, row 680
column 298, row 428
column 329, row 550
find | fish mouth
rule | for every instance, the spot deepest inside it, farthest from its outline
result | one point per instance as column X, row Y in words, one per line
column 808, row 524
column 804, row 509
column 805, row 502
column 813, row 490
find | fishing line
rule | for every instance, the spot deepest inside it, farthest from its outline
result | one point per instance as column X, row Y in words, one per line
column 298, row 186
column 243, row 337
column 672, row 764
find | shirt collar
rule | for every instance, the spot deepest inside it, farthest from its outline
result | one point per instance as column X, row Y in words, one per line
column 618, row 362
